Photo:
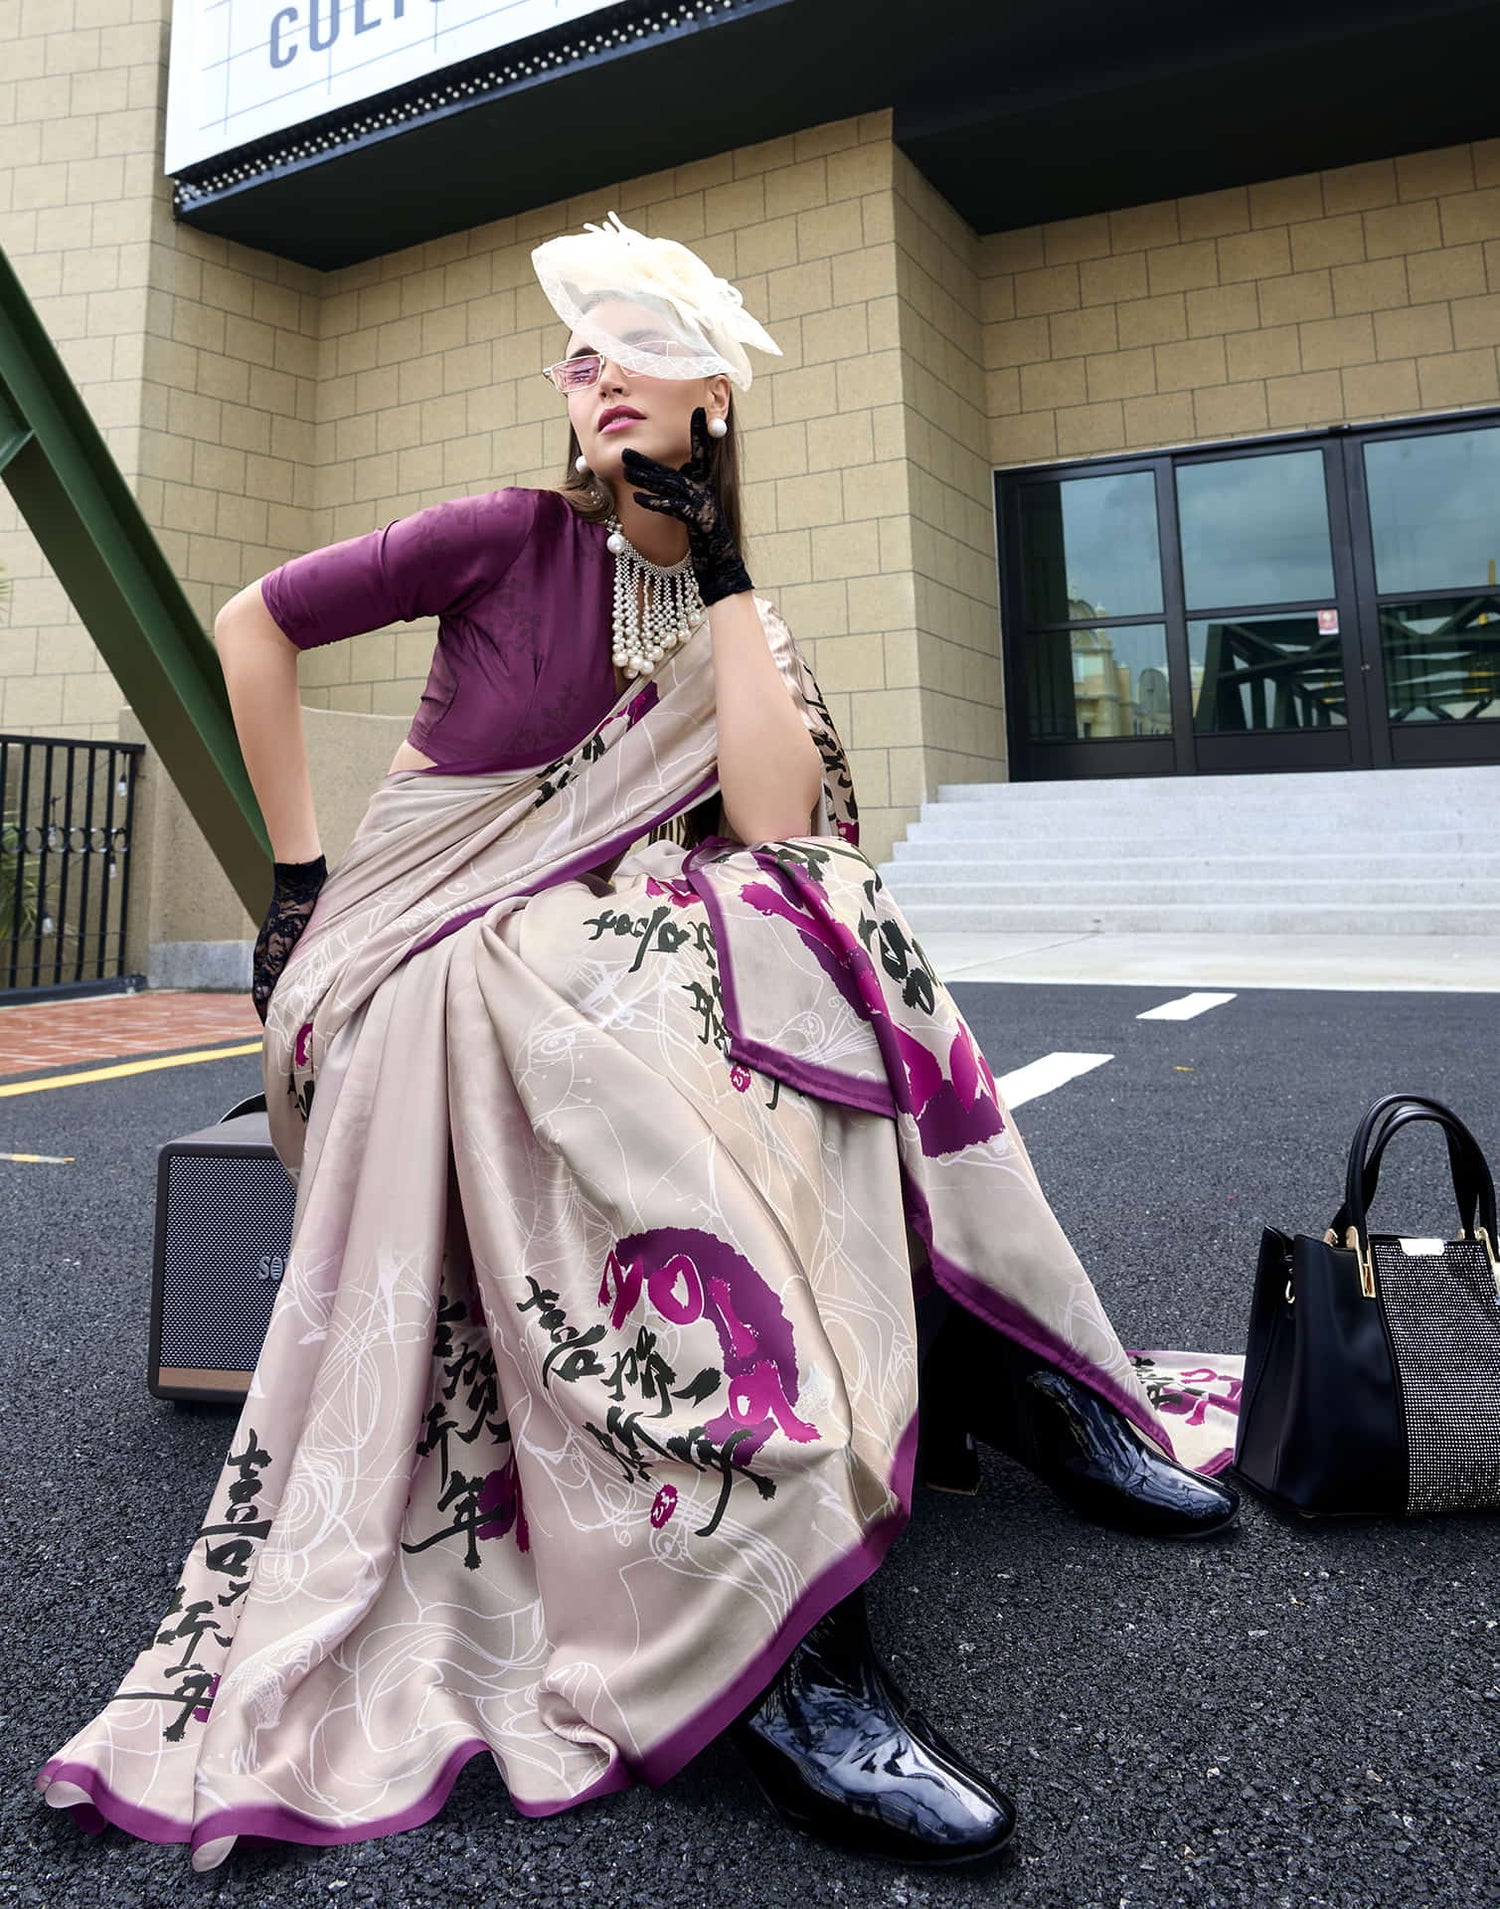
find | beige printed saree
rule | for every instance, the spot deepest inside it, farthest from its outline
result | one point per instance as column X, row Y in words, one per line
column 592, row 1379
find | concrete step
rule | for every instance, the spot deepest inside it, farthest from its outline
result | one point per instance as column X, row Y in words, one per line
column 1462, row 783
column 1207, row 831
column 1165, row 888
column 1236, row 837
column 1370, row 852
column 942, row 861
column 1351, row 919
column 1204, row 819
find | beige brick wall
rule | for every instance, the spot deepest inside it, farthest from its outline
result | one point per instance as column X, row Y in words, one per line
column 196, row 359
column 956, row 656
column 1366, row 292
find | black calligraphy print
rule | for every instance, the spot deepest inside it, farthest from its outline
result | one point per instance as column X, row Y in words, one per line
column 643, row 1384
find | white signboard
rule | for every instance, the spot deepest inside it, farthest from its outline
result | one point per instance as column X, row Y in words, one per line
column 242, row 69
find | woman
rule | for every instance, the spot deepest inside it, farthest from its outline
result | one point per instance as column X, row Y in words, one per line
column 637, row 1149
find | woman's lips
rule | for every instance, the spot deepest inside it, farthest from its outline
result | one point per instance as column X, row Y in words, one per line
column 618, row 424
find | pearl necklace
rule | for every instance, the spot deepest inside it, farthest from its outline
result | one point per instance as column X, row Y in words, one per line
column 673, row 606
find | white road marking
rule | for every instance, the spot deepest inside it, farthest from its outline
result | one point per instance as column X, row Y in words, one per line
column 1040, row 1077
column 1185, row 1007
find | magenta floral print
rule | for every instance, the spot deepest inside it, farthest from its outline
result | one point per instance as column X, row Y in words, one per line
column 641, row 704
column 688, row 1275
column 679, row 894
column 499, row 1505
column 941, row 1079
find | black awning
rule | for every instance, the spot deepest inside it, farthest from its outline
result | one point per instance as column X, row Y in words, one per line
column 1018, row 112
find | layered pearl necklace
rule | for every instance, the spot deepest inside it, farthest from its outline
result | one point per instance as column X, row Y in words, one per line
column 673, row 606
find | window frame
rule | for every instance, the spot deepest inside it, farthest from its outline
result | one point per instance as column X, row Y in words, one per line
column 1366, row 740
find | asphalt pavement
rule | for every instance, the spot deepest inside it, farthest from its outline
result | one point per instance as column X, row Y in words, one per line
column 1301, row 1715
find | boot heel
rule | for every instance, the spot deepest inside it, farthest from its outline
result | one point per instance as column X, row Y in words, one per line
column 947, row 1457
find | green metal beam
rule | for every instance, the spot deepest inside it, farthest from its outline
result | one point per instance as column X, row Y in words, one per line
column 70, row 491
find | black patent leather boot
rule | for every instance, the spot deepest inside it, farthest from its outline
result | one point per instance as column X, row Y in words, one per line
column 1093, row 1457
column 1074, row 1441
column 838, row 1753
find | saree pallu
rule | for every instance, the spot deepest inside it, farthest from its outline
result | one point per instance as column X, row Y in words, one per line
column 592, row 1378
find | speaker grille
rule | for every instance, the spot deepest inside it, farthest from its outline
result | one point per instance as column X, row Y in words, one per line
column 225, row 1214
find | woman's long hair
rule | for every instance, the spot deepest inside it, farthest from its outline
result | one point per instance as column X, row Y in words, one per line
column 594, row 501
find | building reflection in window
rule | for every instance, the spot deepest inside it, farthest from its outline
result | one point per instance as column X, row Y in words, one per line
column 1089, row 683
column 1266, row 672
column 1442, row 658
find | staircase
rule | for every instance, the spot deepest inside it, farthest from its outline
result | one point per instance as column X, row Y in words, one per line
column 1368, row 852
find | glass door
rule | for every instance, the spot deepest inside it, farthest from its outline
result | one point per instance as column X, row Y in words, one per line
column 1427, row 513
column 1089, row 673
column 1266, row 588
column 1201, row 612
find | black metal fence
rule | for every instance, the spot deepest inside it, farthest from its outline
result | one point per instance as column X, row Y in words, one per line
column 65, row 816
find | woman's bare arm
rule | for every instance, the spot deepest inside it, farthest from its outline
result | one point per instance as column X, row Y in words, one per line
column 769, row 769
column 260, row 672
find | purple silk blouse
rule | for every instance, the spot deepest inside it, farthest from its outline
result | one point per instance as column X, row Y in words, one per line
column 522, row 588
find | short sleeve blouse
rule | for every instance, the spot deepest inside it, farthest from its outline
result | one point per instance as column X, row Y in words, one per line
column 522, row 588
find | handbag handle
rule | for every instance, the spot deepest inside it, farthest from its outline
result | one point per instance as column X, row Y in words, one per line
column 1376, row 1125
column 1409, row 1108
column 1473, row 1184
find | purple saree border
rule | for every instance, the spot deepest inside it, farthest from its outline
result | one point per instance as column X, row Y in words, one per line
column 809, row 1078
column 276, row 1822
column 105, row 1807
column 1220, row 1462
column 579, row 865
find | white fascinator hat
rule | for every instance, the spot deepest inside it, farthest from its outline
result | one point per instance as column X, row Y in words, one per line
column 699, row 325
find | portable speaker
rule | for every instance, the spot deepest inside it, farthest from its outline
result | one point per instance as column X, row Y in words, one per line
column 224, row 1206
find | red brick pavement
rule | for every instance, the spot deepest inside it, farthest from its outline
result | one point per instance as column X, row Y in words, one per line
column 109, row 1027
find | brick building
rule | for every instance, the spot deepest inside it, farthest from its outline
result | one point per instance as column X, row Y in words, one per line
column 1044, row 330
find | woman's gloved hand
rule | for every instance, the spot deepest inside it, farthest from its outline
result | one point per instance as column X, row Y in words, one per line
column 686, row 493
column 292, row 899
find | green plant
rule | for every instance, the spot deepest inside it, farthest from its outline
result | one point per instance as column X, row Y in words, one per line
column 16, row 872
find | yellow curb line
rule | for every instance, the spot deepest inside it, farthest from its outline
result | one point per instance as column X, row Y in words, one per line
column 50, row 1159
column 129, row 1067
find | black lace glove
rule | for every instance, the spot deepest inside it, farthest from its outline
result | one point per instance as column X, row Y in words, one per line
column 292, row 899
column 687, row 494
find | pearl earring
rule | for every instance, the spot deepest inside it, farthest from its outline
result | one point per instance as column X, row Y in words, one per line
column 717, row 427
column 580, row 463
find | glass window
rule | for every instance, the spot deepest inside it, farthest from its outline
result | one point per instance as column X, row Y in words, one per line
column 1254, row 530
column 1442, row 659
column 1435, row 509
column 1265, row 672
column 1089, row 548
column 1083, row 685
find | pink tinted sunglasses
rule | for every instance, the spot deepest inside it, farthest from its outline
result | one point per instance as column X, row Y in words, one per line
column 573, row 374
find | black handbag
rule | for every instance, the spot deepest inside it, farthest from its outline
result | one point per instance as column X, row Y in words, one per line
column 1372, row 1366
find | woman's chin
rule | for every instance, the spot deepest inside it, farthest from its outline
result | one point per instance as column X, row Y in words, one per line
column 608, row 456
column 606, row 466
